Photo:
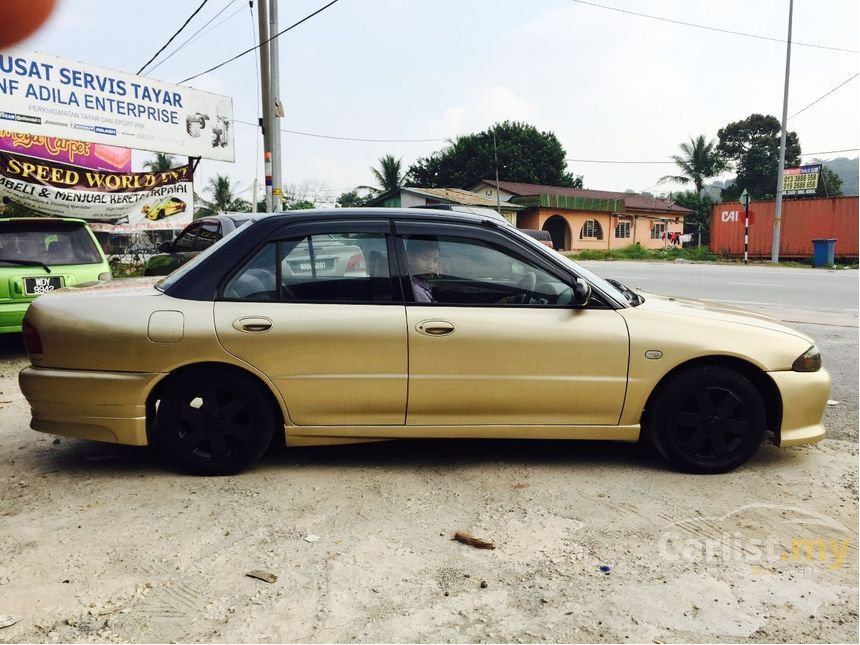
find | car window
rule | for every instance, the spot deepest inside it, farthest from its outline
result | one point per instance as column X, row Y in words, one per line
column 54, row 243
column 330, row 267
column 208, row 234
column 466, row 271
column 187, row 239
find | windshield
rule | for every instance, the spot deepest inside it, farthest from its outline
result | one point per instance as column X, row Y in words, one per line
column 601, row 283
column 169, row 280
column 49, row 242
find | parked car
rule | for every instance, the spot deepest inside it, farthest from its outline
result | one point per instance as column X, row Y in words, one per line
column 194, row 238
column 39, row 255
column 449, row 325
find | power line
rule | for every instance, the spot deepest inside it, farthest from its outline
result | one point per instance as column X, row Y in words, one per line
column 829, row 152
column 280, row 33
column 615, row 161
column 184, row 24
column 825, row 95
column 725, row 31
column 328, row 136
column 193, row 36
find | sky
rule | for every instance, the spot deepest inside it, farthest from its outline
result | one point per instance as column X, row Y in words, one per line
column 612, row 86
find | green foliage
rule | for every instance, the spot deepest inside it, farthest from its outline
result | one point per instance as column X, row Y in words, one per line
column 300, row 205
column 351, row 199
column 388, row 176
column 638, row 252
column 700, row 219
column 753, row 146
column 829, row 184
column 700, row 161
column 524, row 155
column 222, row 197
column 160, row 162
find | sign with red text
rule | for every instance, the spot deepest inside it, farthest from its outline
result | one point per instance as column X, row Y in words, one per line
column 79, row 153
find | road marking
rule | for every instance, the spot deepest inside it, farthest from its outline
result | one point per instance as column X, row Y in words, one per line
column 755, row 284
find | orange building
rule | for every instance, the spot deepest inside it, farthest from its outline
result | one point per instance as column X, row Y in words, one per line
column 590, row 219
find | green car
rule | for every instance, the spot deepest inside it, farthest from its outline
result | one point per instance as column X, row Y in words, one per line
column 41, row 254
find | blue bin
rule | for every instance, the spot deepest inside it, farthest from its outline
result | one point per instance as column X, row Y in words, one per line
column 823, row 252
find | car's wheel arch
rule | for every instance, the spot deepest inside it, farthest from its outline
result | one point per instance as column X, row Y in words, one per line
column 763, row 383
column 266, row 388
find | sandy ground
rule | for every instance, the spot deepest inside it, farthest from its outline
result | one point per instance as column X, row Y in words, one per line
column 594, row 542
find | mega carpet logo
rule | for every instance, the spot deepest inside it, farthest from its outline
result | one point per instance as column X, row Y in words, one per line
column 761, row 535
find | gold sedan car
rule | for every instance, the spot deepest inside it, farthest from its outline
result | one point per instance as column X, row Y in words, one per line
column 359, row 325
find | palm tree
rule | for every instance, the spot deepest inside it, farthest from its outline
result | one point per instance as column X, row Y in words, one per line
column 223, row 198
column 388, row 176
column 699, row 162
column 160, row 162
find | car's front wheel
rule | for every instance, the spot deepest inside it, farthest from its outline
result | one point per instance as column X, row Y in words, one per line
column 213, row 422
column 707, row 420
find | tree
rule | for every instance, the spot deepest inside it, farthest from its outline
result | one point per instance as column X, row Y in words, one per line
column 524, row 155
column 160, row 162
column 389, row 175
column 753, row 146
column 829, row 184
column 351, row 198
column 700, row 161
column 700, row 221
column 223, row 197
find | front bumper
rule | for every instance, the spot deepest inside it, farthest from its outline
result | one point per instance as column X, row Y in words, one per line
column 804, row 399
column 103, row 406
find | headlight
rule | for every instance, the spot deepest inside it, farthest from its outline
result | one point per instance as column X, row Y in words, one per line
column 810, row 361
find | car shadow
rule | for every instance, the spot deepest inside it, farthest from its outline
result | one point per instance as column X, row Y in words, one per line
column 12, row 347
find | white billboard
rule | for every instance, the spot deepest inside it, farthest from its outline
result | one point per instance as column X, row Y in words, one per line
column 54, row 97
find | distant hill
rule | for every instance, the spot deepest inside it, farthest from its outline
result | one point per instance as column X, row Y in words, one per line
column 848, row 171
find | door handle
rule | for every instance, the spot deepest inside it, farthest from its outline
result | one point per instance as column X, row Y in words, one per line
column 434, row 327
column 252, row 324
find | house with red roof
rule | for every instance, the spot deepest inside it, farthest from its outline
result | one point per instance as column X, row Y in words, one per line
column 589, row 219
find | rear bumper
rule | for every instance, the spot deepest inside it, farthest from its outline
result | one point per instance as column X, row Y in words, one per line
column 804, row 399
column 11, row 315
column 103, row 406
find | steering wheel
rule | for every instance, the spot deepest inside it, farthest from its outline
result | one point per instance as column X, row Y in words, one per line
column 525, row 285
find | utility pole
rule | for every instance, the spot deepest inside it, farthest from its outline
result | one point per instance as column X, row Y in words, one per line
column 496, row 161
column 267, row 125
column 277, row 109
column 777, row 217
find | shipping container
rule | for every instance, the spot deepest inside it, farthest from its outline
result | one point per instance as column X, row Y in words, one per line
column 803, row 220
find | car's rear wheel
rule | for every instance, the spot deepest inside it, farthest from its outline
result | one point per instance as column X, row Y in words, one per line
column 708, row 420
column 213, row 422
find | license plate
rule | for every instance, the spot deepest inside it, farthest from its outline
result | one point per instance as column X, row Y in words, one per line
column 318, row 265
column 42, row 285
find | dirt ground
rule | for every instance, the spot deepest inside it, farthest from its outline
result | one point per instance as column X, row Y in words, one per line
column 594, row 541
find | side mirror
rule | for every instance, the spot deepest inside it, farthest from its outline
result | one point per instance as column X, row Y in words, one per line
column 581, row 292
column 166, row 247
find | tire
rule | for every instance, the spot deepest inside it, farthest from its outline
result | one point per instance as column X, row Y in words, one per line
column 214, row 422
column 707, row 420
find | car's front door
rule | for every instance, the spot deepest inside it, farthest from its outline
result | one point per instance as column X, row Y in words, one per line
column 499, row 342
column 318, row 311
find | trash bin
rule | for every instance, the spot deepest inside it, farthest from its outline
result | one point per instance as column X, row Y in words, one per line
column 823, row 252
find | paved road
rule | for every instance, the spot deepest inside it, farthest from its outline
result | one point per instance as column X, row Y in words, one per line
column 832, row 291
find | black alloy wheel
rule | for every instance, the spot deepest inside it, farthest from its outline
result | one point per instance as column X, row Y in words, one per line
column 214, row 422
column 708, row 420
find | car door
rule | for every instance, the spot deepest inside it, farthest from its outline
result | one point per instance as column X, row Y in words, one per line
column 319, row 311
column 501, row 344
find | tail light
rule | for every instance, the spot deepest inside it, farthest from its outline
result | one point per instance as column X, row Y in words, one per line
column 32, row 342
column 356, row 263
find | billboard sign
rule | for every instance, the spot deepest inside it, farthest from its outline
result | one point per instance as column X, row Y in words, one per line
column 54, row 97
column 78, row 153
column 141, row 199
column 802, row 180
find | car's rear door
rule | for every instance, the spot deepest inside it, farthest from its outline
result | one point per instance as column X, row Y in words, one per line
column 479, row 356
column 318, row 311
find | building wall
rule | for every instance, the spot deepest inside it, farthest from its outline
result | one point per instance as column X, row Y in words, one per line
column 640, row 227
column 802, row 221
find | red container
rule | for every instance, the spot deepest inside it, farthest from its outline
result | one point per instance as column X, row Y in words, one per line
column 802, row 221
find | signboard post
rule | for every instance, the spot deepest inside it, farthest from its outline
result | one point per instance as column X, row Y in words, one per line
column 745, row 202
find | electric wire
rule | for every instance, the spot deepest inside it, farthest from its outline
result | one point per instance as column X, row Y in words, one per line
column 824, row 95
column 280, row 33
column 194, row 37
column 709, row 28
column 170, row 40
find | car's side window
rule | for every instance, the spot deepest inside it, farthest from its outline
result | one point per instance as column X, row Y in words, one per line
column 330, row 267
column 465, row 271
column 187, row 239
column 207, row 235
